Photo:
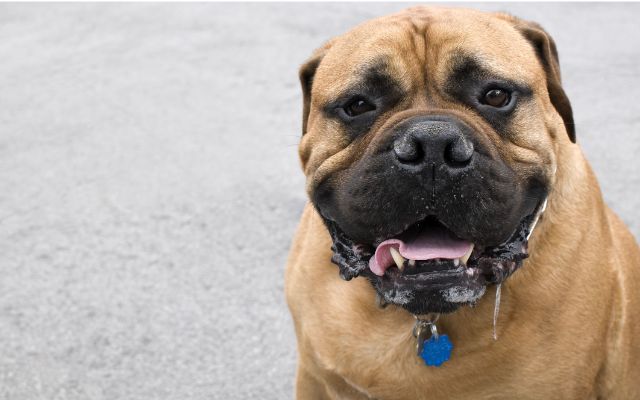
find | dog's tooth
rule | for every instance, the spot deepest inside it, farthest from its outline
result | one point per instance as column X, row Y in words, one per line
column 465, row 257
column 412, row 263
column 456, row 262
column 397, row 258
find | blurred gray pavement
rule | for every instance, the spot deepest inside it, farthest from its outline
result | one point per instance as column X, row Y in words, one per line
column 149, row 184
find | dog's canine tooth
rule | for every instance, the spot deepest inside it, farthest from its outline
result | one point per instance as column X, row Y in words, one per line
column 397, row 258
column 456, row 262
column 412, row 263
column 465, row 257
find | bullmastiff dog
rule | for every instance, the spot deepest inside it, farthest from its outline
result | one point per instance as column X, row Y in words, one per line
column 456, row 244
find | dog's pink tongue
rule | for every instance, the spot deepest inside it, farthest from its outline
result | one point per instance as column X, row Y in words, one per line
column 434, row 242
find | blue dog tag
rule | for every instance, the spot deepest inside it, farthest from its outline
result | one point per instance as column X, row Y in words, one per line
column 436, row 350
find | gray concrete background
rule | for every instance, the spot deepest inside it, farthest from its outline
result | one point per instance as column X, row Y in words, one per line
column 149, row 184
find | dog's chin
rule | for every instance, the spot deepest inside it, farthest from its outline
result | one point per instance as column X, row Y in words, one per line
column 438, row 285
column 441, row 288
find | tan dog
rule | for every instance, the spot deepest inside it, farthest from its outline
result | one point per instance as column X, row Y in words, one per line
column 432, row 139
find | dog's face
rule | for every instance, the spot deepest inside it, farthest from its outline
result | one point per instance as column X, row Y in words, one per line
column 429, row 148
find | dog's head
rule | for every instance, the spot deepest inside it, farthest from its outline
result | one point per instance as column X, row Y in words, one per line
column 429, row 143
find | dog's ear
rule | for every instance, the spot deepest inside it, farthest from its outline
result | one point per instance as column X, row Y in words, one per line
column 547, row 53
column 306, row 73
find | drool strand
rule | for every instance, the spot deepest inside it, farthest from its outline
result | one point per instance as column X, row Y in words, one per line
column 496, row 310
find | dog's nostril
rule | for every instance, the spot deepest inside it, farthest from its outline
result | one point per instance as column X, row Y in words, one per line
column 407, row 149
column 459, row 152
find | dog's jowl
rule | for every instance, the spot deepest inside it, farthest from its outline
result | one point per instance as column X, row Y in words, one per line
column 455, row 244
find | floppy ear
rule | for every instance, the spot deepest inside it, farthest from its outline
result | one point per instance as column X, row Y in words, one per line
column 546, row 50
column 306, row 73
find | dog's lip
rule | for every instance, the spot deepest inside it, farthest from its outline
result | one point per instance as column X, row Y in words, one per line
column 426, row 270
column 412, row 270
column 534, row 216
column 496, row 263
column 425, row 241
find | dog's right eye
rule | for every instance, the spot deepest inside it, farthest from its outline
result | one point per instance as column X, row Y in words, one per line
column 358, row 106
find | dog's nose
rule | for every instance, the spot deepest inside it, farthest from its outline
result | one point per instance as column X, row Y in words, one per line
column 433, row 140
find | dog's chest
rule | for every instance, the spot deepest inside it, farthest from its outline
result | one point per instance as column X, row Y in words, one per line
column 366, row 362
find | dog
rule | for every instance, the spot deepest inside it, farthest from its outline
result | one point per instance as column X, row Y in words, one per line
column 456, row 244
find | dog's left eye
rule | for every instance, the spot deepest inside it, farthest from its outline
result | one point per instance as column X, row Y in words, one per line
column 496, row 98
column 357, row 107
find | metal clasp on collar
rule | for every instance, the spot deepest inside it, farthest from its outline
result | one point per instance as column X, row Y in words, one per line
column 424, row 328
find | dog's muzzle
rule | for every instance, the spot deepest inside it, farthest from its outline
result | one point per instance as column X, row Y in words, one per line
column 431, row 217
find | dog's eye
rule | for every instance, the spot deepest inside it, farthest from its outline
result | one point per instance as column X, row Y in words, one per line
column 358, row 106
column 496, row 98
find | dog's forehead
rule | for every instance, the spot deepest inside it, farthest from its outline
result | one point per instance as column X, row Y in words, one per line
column 422, row 41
